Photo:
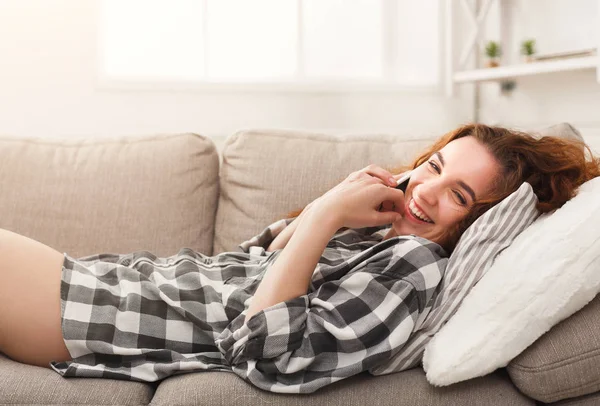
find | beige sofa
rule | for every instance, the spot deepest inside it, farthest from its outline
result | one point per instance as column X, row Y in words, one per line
column 163, row 192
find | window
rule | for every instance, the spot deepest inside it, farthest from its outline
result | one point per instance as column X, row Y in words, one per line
column 296, row 42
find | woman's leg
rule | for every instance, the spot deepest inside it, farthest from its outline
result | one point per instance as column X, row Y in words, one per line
column 30, row 324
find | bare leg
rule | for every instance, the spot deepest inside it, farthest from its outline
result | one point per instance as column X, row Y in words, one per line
column 30, row 324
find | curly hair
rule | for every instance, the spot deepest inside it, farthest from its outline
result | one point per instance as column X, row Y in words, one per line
column 554, row 167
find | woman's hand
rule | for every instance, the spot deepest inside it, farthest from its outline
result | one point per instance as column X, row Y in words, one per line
column 356, row 201
column 353, row 203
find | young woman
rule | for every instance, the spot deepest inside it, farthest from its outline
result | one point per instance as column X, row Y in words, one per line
column 306, row 307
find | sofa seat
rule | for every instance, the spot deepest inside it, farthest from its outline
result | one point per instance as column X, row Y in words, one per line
column 407, row 388
column 22, row 384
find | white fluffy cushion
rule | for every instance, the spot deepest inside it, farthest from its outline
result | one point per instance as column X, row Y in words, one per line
column 548, row 273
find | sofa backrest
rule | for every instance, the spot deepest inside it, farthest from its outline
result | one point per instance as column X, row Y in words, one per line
column 124, row 194
column 160, row 192
column 265, row 174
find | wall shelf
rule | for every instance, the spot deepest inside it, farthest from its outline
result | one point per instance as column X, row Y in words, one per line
column 525, row 69
column 457, row 66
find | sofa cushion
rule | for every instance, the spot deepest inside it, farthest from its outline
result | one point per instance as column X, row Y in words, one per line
column 267, row 173
column 587, row 400
column 407, row 388
column 564, row 362
column 30, row 385
column 122, row 194
column 563, row 130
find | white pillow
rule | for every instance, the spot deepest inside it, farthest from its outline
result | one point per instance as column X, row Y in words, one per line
column 549, row 272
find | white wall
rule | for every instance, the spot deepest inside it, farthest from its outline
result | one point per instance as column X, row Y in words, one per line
column 48, row 87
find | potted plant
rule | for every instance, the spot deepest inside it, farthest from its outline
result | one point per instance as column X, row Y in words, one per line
column 493, row 52
column 528, row 49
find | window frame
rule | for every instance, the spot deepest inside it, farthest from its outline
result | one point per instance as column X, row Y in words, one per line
column 300, row 84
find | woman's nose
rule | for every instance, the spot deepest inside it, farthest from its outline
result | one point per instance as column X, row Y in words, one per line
column 428, row 192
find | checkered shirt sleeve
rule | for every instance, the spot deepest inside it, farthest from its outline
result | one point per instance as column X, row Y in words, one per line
column 345, row 327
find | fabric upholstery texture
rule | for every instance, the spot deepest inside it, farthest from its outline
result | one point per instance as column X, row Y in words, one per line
column 121, row 194
column 409, row 388
column 563, row 130
column 22, row 384
column 565, row 362
column 587, row 400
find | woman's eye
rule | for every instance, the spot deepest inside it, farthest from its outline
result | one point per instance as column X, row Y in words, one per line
column 461, row 199
column 434, row 166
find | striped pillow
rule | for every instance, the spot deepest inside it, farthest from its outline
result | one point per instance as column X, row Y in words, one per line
column 474, row 254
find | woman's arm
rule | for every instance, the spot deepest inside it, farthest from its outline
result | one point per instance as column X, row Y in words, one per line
column 353, row 203
column 302, row 254
column 284, row 236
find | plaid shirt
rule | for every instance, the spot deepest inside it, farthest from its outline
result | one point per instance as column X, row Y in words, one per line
column 186, row 313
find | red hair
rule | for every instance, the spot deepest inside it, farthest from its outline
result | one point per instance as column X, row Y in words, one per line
column 554, row 167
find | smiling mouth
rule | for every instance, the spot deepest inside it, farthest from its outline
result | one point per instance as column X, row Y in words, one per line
column 418, row 214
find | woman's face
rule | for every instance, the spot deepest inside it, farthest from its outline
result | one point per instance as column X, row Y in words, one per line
column 442, row 190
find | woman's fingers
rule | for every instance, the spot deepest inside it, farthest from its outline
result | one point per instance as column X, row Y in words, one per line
column 394, row 200
column 388, row 179
column 387, row 206
column 392, row 209
column 384, row 175
column 358, row 201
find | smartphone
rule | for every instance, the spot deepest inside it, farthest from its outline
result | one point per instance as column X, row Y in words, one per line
column 403, row 181
column 402, row 184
